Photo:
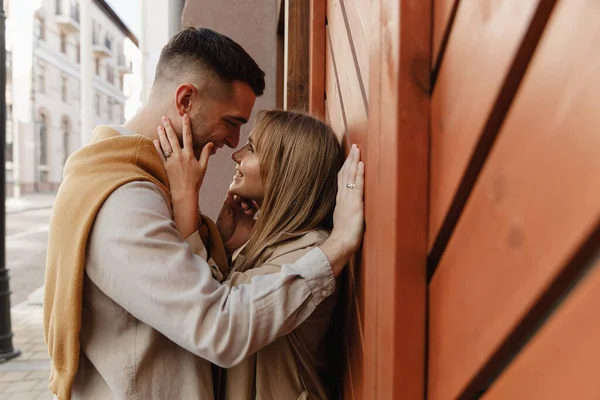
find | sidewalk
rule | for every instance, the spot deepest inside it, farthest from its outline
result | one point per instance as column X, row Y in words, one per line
column 26, row 377
column 28, row 202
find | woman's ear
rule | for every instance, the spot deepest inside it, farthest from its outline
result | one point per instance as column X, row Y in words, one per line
column 184, row 96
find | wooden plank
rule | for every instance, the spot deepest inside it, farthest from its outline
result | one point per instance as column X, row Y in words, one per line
column 358, row 31
column 396, row 213
column 349, row 85
column 511, row 243
column 317, row 49
column 443, row 11
column 562, row 361
column 363, row 11
column 296, row 61
column 335, row 110
column 473, row 85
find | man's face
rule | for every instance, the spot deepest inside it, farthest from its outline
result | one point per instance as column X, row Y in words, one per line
column 219, row 120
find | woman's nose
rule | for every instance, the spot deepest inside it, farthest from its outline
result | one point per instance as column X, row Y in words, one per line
column 237, row 156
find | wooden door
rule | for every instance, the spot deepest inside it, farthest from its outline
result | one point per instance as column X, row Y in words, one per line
column 515, row 201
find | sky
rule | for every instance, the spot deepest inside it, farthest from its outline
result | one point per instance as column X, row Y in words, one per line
column 130, row 13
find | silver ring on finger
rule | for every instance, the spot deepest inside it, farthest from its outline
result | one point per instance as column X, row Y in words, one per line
column 168, row 153
column 350, row 185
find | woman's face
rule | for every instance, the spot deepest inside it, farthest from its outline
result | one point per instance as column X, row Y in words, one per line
column 247, row 181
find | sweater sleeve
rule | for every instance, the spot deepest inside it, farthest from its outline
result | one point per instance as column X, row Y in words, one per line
column 137, row 257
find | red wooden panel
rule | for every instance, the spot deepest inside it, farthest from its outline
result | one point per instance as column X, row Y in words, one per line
column 334, row 106
column 317, row 49
column 442, row 11
column 562, row 361
column 396, row 196
column 357, row 15
column 351, row 95
column 537, row 199
column 469, row 82
column 297, row 54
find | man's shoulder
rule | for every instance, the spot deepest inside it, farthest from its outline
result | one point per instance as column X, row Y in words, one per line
column 135, row 197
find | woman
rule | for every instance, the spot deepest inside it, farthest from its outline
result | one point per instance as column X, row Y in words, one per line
column 289, row 169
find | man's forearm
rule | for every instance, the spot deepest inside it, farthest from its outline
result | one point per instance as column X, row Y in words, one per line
column 337, row 253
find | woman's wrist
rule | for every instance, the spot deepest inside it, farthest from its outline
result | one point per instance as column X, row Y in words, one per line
column 185, row 195
column 185, row 212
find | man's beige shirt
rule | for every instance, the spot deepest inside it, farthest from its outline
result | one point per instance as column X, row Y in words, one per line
column 154, row 317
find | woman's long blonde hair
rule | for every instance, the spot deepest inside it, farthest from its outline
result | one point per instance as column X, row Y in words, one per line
column 300, row 157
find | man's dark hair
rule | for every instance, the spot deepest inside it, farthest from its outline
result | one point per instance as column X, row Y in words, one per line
column 213, row 52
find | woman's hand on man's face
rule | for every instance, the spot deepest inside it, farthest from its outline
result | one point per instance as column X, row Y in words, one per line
column 184, row 171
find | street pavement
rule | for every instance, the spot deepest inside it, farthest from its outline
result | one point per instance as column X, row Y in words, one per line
column 26, row 377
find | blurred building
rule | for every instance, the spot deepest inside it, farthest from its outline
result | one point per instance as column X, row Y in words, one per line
column 161, row 19
column 43, row 85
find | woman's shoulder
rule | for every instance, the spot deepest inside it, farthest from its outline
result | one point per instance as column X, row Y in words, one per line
column 296, row 245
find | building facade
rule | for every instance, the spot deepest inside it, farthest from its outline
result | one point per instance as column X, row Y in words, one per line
column 43, row 85
column 161, row 19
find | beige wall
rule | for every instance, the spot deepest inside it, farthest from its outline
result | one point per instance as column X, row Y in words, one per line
column 253, row 24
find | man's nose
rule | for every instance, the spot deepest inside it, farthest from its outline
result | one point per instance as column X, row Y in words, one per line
column 233, row 140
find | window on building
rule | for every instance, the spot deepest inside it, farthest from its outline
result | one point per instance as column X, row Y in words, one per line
column 65, row 89
column 110, row 74
column 8, row 65
column 97, row 65
column 43, row 139
column 63, row 43
column 78, row 53
column 65, row 132
column 98, row 101
column 41, row 78
column 121, row 82
column 96, row 32
column 110, row 108
column 59, row 7
column 8, row 150
column 40, row 27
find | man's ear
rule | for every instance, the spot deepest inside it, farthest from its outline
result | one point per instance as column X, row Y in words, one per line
column 184, row 96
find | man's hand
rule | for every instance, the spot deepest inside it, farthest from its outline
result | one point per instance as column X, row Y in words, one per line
column 235, row 221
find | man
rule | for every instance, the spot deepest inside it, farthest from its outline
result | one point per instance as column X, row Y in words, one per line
column 130, row 311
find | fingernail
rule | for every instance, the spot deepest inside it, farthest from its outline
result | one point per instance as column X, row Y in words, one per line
column 163, row 118
column 185, row 117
